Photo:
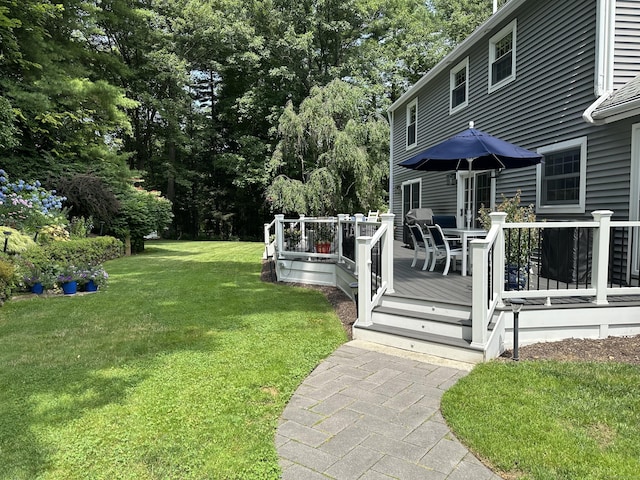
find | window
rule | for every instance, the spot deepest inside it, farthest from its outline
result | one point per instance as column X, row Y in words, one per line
column 561, row 181
column 459, row 81
column 412, row 124
column 502, row 57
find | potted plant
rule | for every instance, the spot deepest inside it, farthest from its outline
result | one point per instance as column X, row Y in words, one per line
column 36, row 278
column 96, row 277
column 292, row 237
column 68, row 279
column 323, row 236
column 518, row 245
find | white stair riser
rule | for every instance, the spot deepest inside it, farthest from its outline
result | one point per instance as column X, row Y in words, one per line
column 420, row 346
column 413, row 305
column 424, row 326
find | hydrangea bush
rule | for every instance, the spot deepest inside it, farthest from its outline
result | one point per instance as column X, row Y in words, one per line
column 26, row 206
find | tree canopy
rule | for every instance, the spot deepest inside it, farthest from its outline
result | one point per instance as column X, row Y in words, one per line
column 232, row 109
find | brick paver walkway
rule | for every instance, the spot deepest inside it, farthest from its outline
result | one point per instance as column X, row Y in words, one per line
column 367, row 415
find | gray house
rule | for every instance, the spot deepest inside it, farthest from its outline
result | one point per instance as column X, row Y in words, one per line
column 559, row 78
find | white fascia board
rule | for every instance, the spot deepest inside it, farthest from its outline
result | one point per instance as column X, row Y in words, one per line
column 460, row 50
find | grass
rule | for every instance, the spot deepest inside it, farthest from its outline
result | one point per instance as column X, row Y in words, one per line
column 180, row 369
column 550, row 420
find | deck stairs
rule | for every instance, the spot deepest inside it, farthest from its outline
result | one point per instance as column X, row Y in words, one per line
column 435, row 327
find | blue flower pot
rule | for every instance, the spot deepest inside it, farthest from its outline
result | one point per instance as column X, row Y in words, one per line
column 515, row 278
column 37, row 288
column 70, row 288
column 90, row 286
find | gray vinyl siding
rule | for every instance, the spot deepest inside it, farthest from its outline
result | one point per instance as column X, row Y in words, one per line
column 544, row 105
column 609, row 169
column 627, row 42
column 554, row 84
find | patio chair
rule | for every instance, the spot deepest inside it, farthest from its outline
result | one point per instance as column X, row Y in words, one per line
column 421, row 240
column 373, row 216
column 443, row 249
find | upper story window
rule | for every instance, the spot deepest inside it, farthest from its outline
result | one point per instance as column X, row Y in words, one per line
column 502, row 57
column 561, row 178
column 412, row 124
column 459, row 84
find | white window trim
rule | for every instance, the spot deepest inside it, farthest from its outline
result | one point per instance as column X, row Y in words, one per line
column 512, row 27
column 556, row 147
column 411, row 104
column 463, row 65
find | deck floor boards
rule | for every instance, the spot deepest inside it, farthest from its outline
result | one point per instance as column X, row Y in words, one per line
column 416, row 283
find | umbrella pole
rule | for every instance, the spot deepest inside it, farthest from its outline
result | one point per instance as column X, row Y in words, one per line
column 469, row 200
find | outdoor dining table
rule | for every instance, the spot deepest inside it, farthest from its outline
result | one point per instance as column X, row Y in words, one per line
column 465, row 235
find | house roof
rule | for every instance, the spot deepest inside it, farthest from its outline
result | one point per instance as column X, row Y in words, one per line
column 452, row 58
column 622, row 103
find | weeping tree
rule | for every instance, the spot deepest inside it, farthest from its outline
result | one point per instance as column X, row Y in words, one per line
column 332, row 154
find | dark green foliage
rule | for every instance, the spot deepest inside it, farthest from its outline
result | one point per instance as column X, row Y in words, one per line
column 7, row 278
column 141, row 213
column 88, row 196
column 189, row 94
column 80, row 251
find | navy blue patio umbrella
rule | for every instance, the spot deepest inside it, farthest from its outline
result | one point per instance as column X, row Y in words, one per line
column 472, row 150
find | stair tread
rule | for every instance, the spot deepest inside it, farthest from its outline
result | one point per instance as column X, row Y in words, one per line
column 427, row 337
column 434, row 317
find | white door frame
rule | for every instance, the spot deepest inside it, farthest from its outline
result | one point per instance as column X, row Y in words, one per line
column 461, row 201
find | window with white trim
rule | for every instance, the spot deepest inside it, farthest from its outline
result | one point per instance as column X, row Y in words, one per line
column 561, row 177
column 459, row 85
column 412, row 124
column 502, row 57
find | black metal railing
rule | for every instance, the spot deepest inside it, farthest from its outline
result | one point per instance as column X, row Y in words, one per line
column 548, row 258
column 623, row 257
column 489, row 274
column 376, row 267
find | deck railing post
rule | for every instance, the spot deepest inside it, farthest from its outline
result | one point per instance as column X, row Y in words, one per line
column 280, row 233
column 363, row 265
column 359, row 217
column 342, row 217
column 387, row 250
column 479, row 292
column 601, row 240
column 499, row 219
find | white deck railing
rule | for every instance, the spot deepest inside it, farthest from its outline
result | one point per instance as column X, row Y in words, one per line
column 609, row 264
column 611, row 260
column 365, row 247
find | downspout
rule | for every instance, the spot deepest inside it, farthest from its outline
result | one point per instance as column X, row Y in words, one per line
column 587, row 115
column 605, row 38
column 390, row 116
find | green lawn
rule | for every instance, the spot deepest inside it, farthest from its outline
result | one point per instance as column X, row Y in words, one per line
column 180, row 369
column 551, row 420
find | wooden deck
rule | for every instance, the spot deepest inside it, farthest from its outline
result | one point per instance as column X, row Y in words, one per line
column 416, row 283
column 454, row 288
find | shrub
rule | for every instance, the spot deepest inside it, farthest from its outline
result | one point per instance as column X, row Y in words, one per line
column 53, row 233
column 7, row 278
column 26, row 206
column 80, row 227
column 518, row 247
column 81, row 251
column 141, row 213
column 88, row 196
column 17, row 242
